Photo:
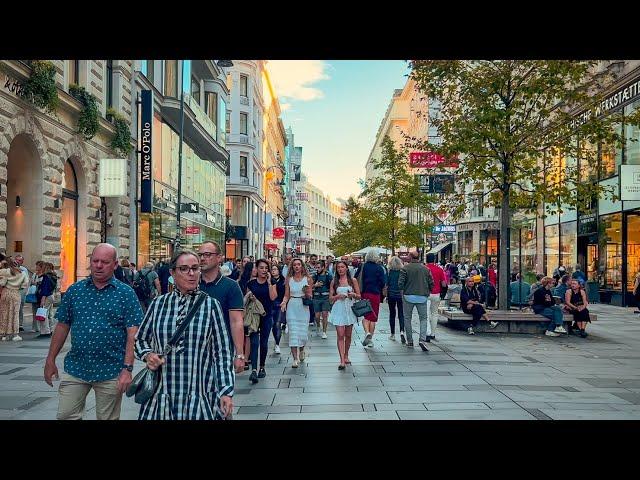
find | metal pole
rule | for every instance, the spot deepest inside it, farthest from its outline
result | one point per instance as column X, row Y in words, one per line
column 179, row 206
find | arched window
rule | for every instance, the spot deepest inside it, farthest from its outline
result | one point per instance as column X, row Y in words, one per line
column 68, row 227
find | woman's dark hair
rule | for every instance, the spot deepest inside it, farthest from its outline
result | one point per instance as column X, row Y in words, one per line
column 279, row 269
column 245, row 277
column 336, row 278
column 565, row 278
column 262, row 260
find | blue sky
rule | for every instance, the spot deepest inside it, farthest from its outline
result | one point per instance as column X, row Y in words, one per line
column 335, row 109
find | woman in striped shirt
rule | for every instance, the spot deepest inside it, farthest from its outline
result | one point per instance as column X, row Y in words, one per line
column 200, row 367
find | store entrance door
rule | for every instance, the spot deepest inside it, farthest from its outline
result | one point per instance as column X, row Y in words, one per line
column 631, row 267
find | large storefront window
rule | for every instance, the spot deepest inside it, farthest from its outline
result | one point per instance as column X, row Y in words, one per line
column 610, row 157
column 465, row 243
column 568, row 245
column 611, row 250
column 633, row 249
column 551, row 248
column 523, row 249
column 488, row 246
column 588, row 161
column 632, row 136
column 68, row 226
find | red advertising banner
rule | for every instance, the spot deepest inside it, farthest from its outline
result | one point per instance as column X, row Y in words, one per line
column 192, row 230
column 271, row 246
column 430, row 160
column 278, row 233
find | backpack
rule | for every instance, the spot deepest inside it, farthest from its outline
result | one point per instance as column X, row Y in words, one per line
column 141, row 286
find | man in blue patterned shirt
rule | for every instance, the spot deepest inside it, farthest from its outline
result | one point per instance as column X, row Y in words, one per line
column 103, row 315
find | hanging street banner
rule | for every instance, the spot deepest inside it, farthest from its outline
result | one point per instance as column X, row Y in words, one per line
column 146, row 139
column 278, row 233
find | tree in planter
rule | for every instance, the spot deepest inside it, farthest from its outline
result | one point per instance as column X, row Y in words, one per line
column 88, row 119
column 516, row 126
column 390, row 193
column 121, row 141
column 40, row 88
column 358, row 230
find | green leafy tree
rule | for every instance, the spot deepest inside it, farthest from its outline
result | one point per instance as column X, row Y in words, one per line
column 358, row 230
column 517, row 127
column 390, row 193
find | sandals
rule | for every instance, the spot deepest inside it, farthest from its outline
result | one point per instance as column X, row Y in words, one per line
column 347, row 362
column 341, row 366
column 295, row 364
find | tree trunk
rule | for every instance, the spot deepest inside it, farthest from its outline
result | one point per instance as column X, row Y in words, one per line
column 503, row 270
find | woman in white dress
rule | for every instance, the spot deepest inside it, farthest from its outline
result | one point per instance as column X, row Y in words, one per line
column 297, row 285
column 344, row 291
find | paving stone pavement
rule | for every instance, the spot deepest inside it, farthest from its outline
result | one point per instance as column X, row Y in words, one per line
column 489, row 376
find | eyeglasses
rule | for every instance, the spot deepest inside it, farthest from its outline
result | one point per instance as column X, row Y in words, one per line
column 208, row 254
column 187, row 268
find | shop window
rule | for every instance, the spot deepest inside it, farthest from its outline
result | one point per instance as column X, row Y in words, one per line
column 632, row 137
column 610, row 157
column 568, row 244
column 633, row 249
column 68, row 227
column 171, row 78
column 588, row 161
column 611, row 247
column 551, row 248
column 195, row 89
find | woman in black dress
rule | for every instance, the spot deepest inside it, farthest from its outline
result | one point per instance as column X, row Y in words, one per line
column 576, row 303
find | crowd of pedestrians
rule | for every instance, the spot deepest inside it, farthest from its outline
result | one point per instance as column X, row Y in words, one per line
column 198, row 321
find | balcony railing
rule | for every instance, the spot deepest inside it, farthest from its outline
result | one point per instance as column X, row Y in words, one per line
column 201, row 116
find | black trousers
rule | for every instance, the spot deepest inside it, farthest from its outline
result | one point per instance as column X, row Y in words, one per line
column 476, row 312
column 393, row 304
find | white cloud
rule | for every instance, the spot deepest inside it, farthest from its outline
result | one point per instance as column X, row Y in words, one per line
column 294, row 79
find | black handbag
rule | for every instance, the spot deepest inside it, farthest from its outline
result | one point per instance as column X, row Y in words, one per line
column 361, row 307
column 307, row 301
column 145, row 383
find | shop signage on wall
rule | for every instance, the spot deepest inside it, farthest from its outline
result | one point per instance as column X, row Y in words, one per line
column 466, row 227
column 14, row 86
column 192, row 230
column 444, row 229
column 430, row 160
column 629, row 182
column 146, row 165
column 587, row 223
column 112, row 177
column 278, row 232
column 435, row 183
column 622, row 96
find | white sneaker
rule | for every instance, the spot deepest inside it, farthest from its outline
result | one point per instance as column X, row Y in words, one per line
column 470, row 331
column 17, row 338
column 324, row 335
column 493, row 324
column 277, row 349
column 549, row 333
column 3, row 339
column 560, row 329
column 392, row 338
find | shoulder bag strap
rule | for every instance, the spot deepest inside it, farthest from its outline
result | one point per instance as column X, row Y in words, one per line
column 185, row 323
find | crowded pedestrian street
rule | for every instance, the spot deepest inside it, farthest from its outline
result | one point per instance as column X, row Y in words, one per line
column 489, row 376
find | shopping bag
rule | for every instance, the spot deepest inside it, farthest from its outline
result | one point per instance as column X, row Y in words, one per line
column 41, row 314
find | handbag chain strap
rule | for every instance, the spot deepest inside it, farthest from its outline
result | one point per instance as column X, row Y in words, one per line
column 185, row 323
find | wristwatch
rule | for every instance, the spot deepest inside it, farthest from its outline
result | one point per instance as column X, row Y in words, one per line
column 129, row 368
column 240, row 356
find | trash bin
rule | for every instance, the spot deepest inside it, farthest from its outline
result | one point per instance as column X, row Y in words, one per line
column 593, row 293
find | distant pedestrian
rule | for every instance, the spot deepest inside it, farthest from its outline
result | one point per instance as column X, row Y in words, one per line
column 321, row 306
column 343, row 292
column 439, row 282
column 276, row 315
column 371, row 279
column 576, row 302
column 23, row 291
column 470, row 303
column 45, row 299
column 12, row 280
column 416, row 283
column 298, row 285
column 147, row 286
column 102, row 314
column 579, row 275
column 394, row 298
column 163, row 276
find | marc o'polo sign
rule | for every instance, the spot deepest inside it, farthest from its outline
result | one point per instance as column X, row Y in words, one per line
column 146, row 140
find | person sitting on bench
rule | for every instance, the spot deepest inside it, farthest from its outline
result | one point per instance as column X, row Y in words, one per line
column 519, row 292
column 470, row 303
column 545, row 305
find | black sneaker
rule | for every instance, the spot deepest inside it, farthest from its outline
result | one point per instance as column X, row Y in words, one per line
column 44, row 335
column 403, row 339
column 583, row 334
column 253, row 377
column 428, row 339
column 423, row 346
column 21, row 329
column 262, row 373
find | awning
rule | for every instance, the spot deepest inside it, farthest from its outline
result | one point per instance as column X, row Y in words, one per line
column 439, row 247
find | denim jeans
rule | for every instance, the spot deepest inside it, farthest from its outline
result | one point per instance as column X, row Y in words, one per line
column 261, row 339
column 276, row 328
column 395, row 303
column 555, row 315
column 423, row 314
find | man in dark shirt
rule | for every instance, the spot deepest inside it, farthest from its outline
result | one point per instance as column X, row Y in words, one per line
column 103, row 315
column 321, row 306
column 163, row 275
column 545, row 305
column 227, row 292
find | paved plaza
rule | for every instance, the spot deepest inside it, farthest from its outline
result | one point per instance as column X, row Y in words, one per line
column 486, row 376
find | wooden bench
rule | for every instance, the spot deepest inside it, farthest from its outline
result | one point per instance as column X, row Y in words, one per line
column 509, row 321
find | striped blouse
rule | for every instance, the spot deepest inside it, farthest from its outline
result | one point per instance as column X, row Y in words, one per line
column 199, row 368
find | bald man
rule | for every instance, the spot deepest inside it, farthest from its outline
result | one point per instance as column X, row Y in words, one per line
column 102, row 314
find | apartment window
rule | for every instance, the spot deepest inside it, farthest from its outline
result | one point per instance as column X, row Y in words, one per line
column 229, row 168
column 109, row 84
column 228, row 122
column 211, row 105
column 243, row 123
column 74, row 72
column 171, row 78
column 195, row 89
column 243, row 86
column 148, row 70
column 243, row 166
